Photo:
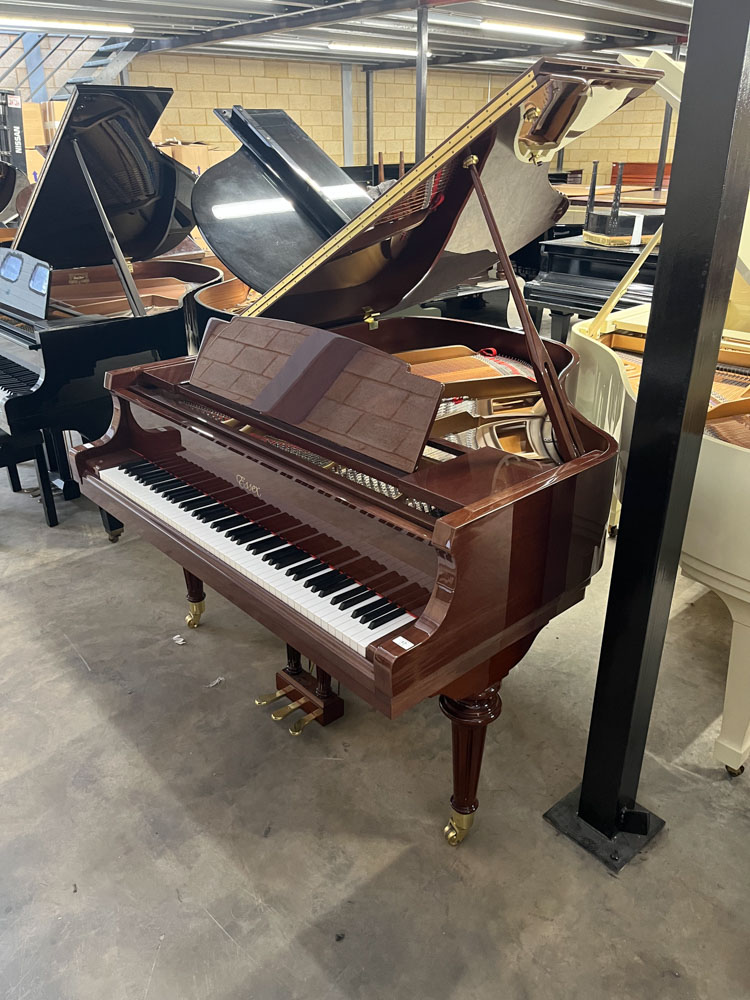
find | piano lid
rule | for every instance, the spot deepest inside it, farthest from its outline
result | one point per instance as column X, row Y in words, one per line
column 145, row 193
column 279, row 193
column 389, row 251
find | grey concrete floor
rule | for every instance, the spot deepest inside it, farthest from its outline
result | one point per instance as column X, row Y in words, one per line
column 164, row 839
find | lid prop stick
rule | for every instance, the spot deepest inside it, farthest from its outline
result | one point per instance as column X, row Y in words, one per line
column 569, row 441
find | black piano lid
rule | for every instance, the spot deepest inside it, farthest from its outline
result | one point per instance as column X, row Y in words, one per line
column 278, row 191
column 145, row 193
column 387, row 254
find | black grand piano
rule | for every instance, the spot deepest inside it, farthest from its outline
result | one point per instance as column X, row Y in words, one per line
column 577, row 278
column 107, row 205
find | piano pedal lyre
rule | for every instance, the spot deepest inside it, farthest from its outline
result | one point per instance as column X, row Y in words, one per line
column 312, row 693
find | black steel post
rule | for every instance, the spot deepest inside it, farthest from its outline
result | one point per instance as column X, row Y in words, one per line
column 707, row 201
column 421, row 125
column 665, row 128
column 369, row 115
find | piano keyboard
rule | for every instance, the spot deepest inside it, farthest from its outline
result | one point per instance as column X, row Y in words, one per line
column 353, row 598
column 15, row 380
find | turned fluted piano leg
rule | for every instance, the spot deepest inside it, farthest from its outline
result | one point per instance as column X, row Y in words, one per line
column 196, row 599
column 469, row 720
column 732, row 748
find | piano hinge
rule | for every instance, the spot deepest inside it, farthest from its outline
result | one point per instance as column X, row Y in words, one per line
column 78, row 278
column 129, row 262
column 371, row 318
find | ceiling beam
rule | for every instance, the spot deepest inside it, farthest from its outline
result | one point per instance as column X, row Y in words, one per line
column 535, row 51
column 520, row 12
column 328, row 14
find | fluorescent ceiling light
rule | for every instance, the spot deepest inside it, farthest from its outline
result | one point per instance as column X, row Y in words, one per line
column 42, row 24
column 527, row 31
column 384, row 50
column 277, row 43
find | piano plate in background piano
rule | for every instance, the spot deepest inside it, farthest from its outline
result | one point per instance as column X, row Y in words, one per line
column 301, row 473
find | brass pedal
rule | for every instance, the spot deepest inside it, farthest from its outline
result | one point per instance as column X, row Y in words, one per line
column 268, row 699
column 281, row 713
column 298, row 727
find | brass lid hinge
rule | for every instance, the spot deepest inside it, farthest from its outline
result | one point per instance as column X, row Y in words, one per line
column 371, row 318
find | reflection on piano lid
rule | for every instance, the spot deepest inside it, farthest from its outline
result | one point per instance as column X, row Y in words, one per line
column 279, row 186
column 427, row 233
column 145, row 193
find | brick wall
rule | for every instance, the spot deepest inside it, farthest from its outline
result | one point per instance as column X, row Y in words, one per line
column 311, row 94
column 59, row 77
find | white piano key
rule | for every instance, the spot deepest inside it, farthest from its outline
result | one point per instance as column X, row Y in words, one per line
column 316, row 608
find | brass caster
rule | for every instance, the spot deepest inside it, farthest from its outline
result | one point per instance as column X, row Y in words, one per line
column 193, row 617
column 458, row 827
column 735, row 772
column 113, row 536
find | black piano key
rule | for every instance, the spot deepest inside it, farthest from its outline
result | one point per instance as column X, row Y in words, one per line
column 324, row 589
column 228, row 522
column 151, row 475
column 186, row 493
column 337, row 588
column 129, row 467
column 321, row 581
column 165, row 484
column 282, row 558
column 305, row 569
column 174, row 484
column 379, row 612
column 264, row 545
column 363, row 609
column 246, row 534
column 359, row 592
column 390, row 617
column 212, row 513
column 349, row 602
column 191, row 505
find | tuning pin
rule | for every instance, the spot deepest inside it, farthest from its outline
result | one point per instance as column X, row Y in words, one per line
column 297, row 728
column 268, row 699
column 281, row 713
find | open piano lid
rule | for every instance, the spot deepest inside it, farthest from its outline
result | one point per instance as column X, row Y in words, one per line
column 386, row 257
column 145, row 193
column 280, row 186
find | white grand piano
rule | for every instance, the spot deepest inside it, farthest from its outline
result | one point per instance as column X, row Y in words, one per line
column 716, row 548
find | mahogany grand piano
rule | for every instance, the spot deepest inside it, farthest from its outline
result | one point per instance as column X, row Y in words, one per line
column 325, row 479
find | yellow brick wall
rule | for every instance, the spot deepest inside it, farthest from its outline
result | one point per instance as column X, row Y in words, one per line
column 59, row 77
column 311, row 94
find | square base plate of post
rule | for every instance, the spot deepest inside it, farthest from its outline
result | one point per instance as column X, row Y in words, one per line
column 614, row 853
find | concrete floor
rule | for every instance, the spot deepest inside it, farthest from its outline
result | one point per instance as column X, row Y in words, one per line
column 164, row 839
